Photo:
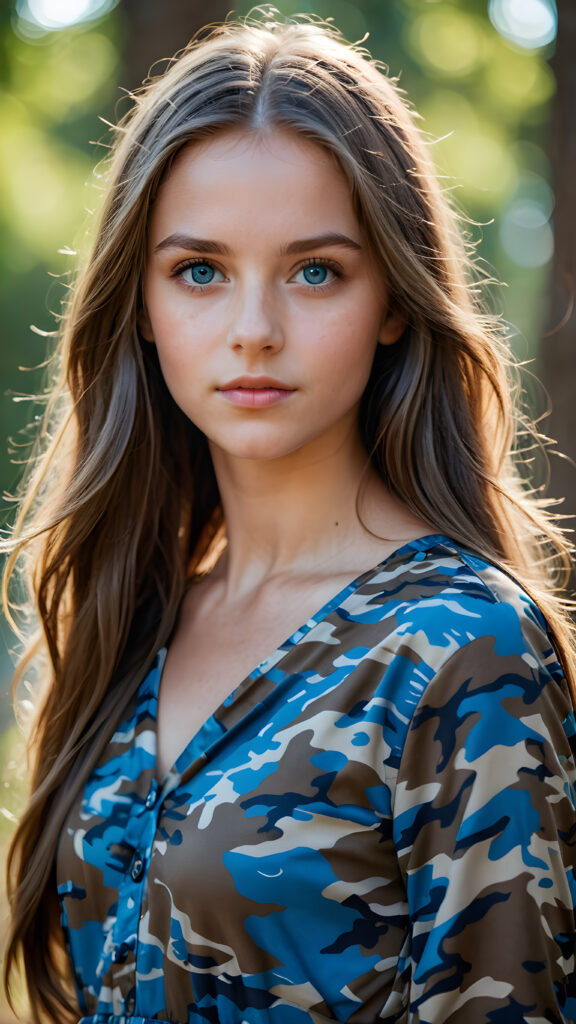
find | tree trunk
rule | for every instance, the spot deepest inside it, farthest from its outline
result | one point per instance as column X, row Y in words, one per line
column 559, row 342
column 153, row 30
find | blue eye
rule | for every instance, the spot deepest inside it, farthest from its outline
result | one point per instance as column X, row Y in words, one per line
column 200, row 274
column 317, row 273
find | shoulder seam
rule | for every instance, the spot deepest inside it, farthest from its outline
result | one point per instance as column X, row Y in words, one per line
column 467, row 557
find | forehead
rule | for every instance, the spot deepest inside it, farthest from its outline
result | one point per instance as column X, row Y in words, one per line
column 277, row 178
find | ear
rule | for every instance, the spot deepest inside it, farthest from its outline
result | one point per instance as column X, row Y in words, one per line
column 144, row 325
column 391, row 328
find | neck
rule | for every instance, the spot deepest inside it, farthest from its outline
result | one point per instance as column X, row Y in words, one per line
column 300, row 515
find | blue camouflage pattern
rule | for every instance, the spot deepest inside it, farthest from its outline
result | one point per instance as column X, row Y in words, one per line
column 379, row 824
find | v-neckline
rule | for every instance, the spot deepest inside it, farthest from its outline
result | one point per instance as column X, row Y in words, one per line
column 194, row 748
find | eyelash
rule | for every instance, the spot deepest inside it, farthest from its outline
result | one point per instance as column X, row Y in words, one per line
column 310, row 262
column 329, row 264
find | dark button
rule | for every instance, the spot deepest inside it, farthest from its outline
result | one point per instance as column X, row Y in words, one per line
column 137, row 869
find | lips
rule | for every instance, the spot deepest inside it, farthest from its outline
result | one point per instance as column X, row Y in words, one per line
column 255, row 384
column 255, row 392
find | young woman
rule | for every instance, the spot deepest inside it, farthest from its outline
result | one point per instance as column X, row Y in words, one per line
column 280, row 413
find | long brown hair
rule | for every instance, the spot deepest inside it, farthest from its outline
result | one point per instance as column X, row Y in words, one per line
column 122, row 505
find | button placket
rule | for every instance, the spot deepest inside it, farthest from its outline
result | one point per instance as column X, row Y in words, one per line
column 133, row 888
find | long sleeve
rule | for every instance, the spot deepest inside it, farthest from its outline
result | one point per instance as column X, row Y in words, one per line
column 485, row 829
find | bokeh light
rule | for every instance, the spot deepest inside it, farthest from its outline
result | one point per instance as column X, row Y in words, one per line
column 74, row 72
column 43, row 187
column 526, row 234
column 516, row 80
column 449, row 41
column 35, row 17
column 528, row 23
column 474, row 150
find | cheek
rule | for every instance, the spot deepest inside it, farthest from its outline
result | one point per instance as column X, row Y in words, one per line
column 181, row 361
column 176, row 362
column 171, row 313
column 346, row 346
column 178, row 338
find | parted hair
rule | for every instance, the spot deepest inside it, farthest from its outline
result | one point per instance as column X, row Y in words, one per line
column 120, row 505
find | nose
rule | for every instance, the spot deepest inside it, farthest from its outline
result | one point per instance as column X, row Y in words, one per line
column 255, row 321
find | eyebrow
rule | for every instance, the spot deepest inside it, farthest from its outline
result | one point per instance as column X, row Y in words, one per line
column 207, row 245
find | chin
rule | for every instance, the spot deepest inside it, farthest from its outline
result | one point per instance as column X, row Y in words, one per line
column 257, row 449
column 259, row 453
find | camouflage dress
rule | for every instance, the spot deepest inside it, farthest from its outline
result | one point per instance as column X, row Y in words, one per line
column 379, row 824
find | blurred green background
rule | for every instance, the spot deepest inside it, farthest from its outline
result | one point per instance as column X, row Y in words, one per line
column 484, row 75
